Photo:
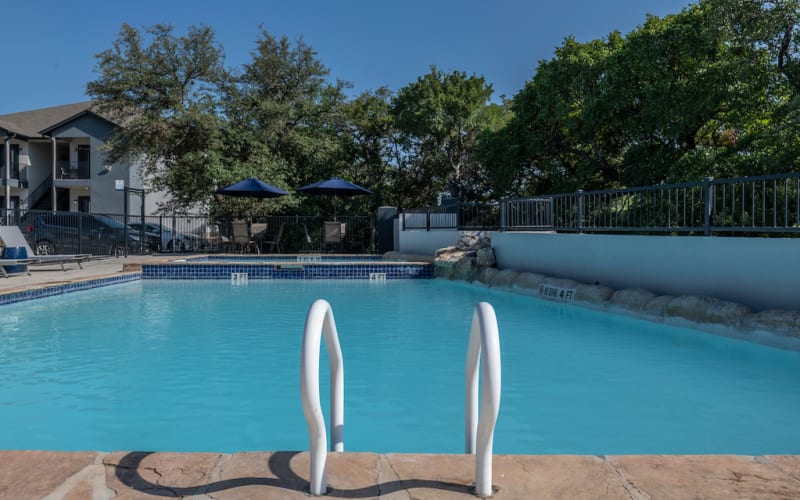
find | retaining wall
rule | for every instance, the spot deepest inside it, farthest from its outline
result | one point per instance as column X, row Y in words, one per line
column 762, row 273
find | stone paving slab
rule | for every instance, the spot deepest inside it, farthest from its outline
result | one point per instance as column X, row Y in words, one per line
column 34, row 474
column 284, row 475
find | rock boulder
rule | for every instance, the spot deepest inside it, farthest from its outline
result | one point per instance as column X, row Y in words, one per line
column 632, row 299
column 785, row 323
column 485, row 257
column 702, row 309
column 504, row 279
column 593, row 294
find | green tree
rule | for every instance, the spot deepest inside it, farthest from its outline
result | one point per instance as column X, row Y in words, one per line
column 368, row 145
column 163, row 90
column 439, row 118
column 283, row 118
column 706, row 92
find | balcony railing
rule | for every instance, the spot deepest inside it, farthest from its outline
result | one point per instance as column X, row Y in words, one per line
column 73, row 170
column 18, row 176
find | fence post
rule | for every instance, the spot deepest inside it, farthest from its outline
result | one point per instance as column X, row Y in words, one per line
column 708, row 204
column 579, row 221
column 428, row 219
column 503, row 209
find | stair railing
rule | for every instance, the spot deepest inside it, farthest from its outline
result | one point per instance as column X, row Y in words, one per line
column 319, row 321
column 483, row 350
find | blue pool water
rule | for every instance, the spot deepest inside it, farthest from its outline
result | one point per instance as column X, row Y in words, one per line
column 210, row 366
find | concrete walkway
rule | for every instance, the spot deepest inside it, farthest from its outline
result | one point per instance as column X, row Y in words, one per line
column 283, row 475
column 42, row 275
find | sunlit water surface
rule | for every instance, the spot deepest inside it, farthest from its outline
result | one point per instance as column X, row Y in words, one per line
column 210, row 366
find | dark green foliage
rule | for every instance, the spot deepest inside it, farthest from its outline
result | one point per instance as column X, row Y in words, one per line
column 712, row 91
column 709, row 92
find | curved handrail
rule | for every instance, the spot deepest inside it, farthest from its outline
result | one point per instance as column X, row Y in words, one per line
column 484, row 343
column 319, row 320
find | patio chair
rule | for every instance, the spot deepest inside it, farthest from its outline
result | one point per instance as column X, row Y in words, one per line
column 275, row 243
column 241, row 237
column 334, row 234
column 12, row 237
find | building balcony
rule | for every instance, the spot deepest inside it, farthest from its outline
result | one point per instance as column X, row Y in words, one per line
column 73, row 170
column 18, row 178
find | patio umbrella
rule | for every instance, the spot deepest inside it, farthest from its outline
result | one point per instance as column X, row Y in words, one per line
column 334, row 186
column 251, row 188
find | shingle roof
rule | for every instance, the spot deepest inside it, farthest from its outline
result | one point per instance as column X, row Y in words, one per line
column 34, row 123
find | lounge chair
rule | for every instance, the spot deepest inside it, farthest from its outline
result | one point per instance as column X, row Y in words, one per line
column 15, row 262
column 12, row 237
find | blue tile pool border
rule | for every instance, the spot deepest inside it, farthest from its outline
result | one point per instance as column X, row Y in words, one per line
column 303, row 270
column 62, row 288
column 284, row 258
column 289, row 270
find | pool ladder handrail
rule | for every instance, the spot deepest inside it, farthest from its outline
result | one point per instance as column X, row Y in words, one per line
column 483, row 350
column 319, row 321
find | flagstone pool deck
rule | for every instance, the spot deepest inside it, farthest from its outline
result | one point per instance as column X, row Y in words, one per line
column 284, row 474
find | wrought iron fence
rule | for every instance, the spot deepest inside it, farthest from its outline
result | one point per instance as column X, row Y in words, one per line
column 755, row 205
column 108, row 234
column 466, row 216
column 748, row 205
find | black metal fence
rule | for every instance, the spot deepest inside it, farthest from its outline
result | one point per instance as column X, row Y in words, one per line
column 473, row 216
column 747, row 205
column 108, row 234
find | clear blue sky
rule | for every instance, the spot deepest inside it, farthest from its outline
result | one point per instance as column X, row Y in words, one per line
column 49, row 46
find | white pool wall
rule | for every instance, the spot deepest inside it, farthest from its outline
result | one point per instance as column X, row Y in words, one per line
column 762, row 273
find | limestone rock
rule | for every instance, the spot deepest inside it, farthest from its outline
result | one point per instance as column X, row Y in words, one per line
column 504, row 279
column 486, row 275
column 785, row 323
column 528, row 283
column 445, row 251
column 558, row 282
column 452, row 263
column 474, row 240
column 704, row 309
column 453, row 256
column 464, row 269
column 593, row 294
column 632, row 299
column 658, row 306
column 443, row 270
column 485, row 257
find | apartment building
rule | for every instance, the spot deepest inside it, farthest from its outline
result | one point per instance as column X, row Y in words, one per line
column 53, row 159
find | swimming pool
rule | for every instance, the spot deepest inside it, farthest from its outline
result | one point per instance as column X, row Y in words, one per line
column 211, row 366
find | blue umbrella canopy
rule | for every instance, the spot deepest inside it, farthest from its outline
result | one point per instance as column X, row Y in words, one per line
column 334, row 186
column 252, row 188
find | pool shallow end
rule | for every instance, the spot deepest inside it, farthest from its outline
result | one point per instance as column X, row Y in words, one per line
column 283, row 475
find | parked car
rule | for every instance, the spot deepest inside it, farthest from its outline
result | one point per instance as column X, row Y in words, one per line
column 182, row 242
column 74, row 232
